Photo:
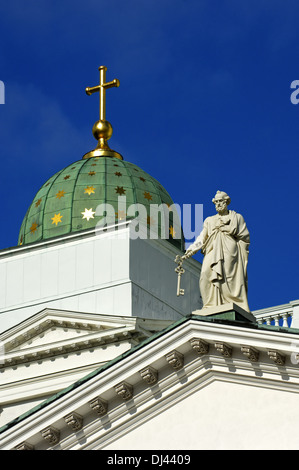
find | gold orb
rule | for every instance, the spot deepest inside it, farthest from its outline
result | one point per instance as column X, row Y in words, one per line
column 102, row 130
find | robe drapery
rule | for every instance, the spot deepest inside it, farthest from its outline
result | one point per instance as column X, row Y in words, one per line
column 224, row 241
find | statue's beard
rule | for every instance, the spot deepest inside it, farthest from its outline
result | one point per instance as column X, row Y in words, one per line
column 221, row 210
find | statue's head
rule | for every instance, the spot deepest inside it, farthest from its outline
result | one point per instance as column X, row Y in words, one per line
column 221, row 201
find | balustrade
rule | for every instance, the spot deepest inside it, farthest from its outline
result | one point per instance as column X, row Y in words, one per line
column 277, row 319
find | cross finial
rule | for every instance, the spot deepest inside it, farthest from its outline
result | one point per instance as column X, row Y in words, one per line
column 101, row 88
column 102, row 129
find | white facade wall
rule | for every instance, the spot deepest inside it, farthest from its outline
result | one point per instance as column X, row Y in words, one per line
column 26, row 385
column 221, row 415
column 105, row 273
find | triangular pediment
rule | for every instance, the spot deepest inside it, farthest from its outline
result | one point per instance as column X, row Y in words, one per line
column 162, row 388
column 52, row 332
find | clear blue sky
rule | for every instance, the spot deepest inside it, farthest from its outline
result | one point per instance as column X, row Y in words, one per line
column 203, row 104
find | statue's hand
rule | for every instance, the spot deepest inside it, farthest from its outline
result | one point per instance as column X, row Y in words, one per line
column 188, row 253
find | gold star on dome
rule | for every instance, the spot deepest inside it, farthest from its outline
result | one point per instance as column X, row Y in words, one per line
column 150, row 220
column 33, row 227
column 38, row 202
column 147, row 196
column 120, row 215
column 172, row 231
column 60, row 194
column 66, row 177
column 89, row 190
column 117, row 173
column 91, row 173
column 120, row 190
column 88, row 214
column 142, row 179
column 56, row 219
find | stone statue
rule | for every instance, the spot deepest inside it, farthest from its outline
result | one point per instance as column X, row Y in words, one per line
column 224, row 242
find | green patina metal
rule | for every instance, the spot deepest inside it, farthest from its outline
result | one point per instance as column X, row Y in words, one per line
column 68, row 201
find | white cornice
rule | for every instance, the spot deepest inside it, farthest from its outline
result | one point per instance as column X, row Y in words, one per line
column 192, row 370
column 96, row 330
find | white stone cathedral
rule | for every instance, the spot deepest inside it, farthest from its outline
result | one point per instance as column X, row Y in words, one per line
column 98, row 351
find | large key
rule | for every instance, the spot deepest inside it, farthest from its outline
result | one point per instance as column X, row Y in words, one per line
column 179, row 270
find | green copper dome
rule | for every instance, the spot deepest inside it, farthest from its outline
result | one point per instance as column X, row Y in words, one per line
column 68, row 201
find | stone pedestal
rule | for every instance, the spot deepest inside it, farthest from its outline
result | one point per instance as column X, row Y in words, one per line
column 229, row 311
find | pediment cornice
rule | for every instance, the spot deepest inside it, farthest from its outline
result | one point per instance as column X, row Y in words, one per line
column 32, row 340
column 154, row 376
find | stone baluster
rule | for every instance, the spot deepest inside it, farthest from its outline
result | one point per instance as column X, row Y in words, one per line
column 276, row 320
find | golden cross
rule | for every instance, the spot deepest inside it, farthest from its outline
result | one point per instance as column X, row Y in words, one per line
column 101, row 88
